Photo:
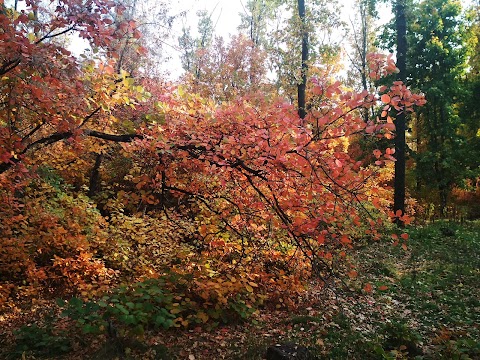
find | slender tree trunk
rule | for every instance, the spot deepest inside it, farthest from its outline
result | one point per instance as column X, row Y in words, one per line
column 363, row 53
column 443, row 191
column 399, row 184
column 94, row 185
column 418, row 130
column 302, row 86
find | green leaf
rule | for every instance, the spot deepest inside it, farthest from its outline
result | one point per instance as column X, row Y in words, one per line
column 130, row 305
column 75, row 302
column 122, row 309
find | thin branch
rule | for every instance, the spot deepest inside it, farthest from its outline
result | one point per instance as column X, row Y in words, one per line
column 50, row 35
column 10, row 65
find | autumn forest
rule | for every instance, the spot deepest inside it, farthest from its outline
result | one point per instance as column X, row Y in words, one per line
column 306, row 188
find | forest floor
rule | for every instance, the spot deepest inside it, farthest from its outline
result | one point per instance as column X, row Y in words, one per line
column 425, row 304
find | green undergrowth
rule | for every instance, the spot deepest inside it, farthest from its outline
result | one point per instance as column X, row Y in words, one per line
column 432, row 290
column 424, row 304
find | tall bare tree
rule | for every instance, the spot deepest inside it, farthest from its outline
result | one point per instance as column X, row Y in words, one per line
column 399, row 183
column 303, row 84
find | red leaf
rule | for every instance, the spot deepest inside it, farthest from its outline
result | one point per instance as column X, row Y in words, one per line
column 321, row 239
column 345, row 240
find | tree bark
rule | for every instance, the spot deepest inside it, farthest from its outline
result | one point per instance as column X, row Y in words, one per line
column 399, row 183
column 302, row 86
column 94, row 185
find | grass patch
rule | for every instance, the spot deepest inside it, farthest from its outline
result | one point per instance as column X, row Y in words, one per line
column 436, row 287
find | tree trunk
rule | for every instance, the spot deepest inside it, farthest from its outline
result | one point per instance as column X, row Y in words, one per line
column 302, row 86
column 94, row 185
column 363, row 53
column 443, row 191
column 399, row 184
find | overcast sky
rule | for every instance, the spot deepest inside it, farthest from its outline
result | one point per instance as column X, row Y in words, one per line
column 225, row 15
column 226, row 12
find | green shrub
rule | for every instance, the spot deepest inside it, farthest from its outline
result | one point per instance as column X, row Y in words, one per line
column 132, row 309
column 40, row 341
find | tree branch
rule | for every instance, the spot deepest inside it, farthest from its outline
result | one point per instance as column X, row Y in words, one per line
column 50, row 35
column 53, row 138
column 9, row 65
column 112, row 137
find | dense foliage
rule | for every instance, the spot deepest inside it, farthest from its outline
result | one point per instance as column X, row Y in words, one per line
column 144, row 205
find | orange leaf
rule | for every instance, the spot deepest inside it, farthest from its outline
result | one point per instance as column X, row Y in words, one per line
column 202, row 230
column 368, row 287
column 404, row 236
column 383, row 288
column 389, row 126
column 385, row 98
column 352, row 274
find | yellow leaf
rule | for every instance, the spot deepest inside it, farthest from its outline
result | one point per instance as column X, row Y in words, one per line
column 202, row 316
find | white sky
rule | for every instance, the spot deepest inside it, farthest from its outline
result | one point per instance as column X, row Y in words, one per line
column 226, row 12
column 225, row 15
